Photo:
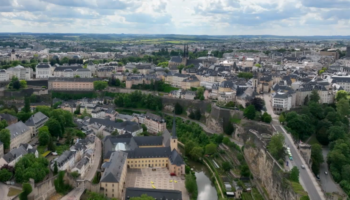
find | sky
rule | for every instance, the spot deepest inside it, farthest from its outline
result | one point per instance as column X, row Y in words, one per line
column 190, row 17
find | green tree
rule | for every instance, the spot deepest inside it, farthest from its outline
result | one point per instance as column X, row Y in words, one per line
column 115, row 132
column 55, row 169
column 210, row 148
column 191, row 184
column 100, row 85
column 228, row 127
column 44, row 136
column 336, row 132
column 135, row 71
column 23, row 83
column 249, row 112
column 5, row 137
column 294, row 174
column 178, row 109
column 314, row 97
column 316, row 157
column 75, row 174
column 198, row 114
column 26, row 108
column 55, row 128
column 281, row 119
column 226, row 166
column 275, row 146
column 245, row 172
column 196, row 153
column 189, row 145
column 341, row 94
column 26, row 190
column 191, row 115
column 246, row 75
column 343, row 107
column 51, row 145
column 180, row 67
column 5, row 175
column 144, row 127
column 266, row 118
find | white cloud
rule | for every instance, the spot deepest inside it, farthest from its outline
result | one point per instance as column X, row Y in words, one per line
column 229, row 17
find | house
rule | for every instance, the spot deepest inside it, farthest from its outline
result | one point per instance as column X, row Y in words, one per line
column 109, row 127
column 20, row 133
column 20, row 72
column 98, row 112
column 36, row 121
column 8, row 118
column 66, row 161
column 113, row 178
column 4, row 76
column 155, row 193
column 82, row 166
column 190, row 82
column 43, row 71
column 12, row 157
column 154, row 123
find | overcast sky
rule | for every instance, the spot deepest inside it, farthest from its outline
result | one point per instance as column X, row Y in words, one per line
column 195, row 17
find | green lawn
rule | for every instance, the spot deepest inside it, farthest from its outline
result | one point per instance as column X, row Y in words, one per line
column 13, row 192
column 168, row 88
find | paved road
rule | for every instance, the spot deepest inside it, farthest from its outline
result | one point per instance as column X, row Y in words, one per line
column 3, row 191
column 327, row 182
column 92, row 171
column 306, row 177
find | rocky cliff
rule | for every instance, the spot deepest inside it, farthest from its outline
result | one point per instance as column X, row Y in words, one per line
column 265, row 169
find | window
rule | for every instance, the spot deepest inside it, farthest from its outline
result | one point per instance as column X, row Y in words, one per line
column 113, row 185
column 112, row 190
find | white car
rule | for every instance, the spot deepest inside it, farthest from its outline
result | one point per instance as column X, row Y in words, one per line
column 303, row 166
column 326, row 173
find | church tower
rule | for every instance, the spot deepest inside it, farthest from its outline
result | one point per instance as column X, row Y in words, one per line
column 13, row 55
column 173, row 140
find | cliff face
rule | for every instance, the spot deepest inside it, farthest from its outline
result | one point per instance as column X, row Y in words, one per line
column 218, row 115
column 265, row 169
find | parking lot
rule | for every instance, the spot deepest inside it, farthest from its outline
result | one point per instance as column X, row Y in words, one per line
column 161, row 179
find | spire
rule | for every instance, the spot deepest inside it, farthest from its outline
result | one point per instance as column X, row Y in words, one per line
column 173, row 132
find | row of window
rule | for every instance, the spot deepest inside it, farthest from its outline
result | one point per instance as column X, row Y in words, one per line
column 147, row 165
column 146, row 161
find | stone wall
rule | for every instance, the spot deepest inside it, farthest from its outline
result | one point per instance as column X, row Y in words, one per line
column 265, row 169
column 43, row 190
column 218, row 116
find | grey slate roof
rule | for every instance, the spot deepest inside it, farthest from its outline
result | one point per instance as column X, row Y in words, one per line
column 7, row 117
column 152, row 152
column 176, row 59
column 15, row 153
column 113, row 172
column 36, row 118
column 176, row 158
column 17, row 129
column 43, row 65
column 128, row 126
column 155, row 193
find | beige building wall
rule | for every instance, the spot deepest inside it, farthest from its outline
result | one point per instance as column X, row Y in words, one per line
column 188, row 85
column 153, row 126
column 115, row 190
column 22, row 138
column 225, row 89
column 67, row 85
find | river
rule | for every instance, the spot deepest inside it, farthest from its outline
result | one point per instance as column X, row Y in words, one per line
column 206, row 190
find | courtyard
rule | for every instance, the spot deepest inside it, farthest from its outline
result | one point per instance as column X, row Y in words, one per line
column 160, row 179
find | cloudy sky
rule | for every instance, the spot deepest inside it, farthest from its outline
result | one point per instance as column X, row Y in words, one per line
column 207, row 17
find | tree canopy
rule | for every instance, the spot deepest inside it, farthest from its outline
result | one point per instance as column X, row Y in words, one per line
column 5, row 138
column 100, row 85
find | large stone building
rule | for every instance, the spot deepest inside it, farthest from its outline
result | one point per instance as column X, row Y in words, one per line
column 113, row 178
column 20, row 133
column 154, row 123
column 10, row 119
column 330, row 52
column 43, row 71
column 71, row 84
column 3, row 75
column 22, row 73
column 137, row 153
column 36, row 121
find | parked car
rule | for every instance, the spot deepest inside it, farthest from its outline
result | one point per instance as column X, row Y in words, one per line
column 326, row 173
column 303, row 166
column 54, row 153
